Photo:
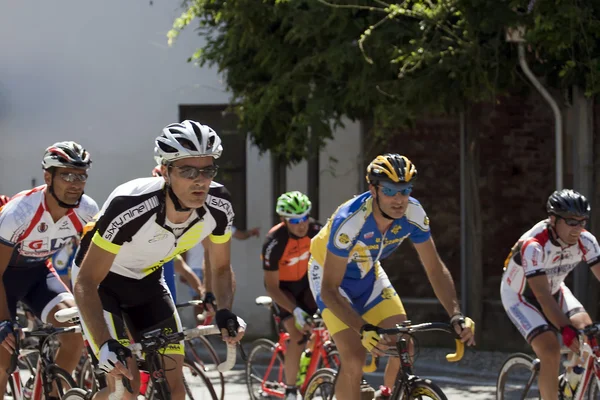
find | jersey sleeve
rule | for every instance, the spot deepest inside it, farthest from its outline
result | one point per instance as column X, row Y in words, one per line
column 591, row 248
column 532, row 258
column 272, row 252
column 344, row 234
column 15, row 217
column 120, row 218
column 419, row 222
column 87, row 209
column 219, row 204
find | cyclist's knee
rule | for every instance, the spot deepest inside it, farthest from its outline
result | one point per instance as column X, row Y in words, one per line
column 352, row 366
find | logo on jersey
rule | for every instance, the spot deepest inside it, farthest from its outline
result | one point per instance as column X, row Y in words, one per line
column 396, row 229
column 158, row 237
column 369, row 235
column 42, row 227
column 128, row 216
column 343, row 238
column 37, row 244
column 222, row 205
column 426, row 221
column 268, row 251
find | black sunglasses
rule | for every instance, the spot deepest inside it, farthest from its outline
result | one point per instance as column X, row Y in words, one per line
column 575, row 222
column 189, row 172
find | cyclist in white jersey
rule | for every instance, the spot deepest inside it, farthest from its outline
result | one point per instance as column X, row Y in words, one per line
column 533, row 292
column 34, row 225
column 143, row 224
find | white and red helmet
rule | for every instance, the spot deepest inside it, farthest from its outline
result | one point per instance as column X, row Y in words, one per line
column 66, row 155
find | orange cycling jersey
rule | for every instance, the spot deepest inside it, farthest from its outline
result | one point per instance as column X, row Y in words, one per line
column 289, row 254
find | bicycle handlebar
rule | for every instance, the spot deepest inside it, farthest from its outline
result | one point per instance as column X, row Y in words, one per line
column 428, row 327
column 159, row 341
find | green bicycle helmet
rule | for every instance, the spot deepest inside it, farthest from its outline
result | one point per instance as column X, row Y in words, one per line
column 293, row 205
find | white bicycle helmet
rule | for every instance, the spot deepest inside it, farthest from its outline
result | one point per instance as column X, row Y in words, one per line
column 186, row 139
column 66, row 155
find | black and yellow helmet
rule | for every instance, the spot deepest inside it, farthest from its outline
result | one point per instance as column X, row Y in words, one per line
column 392, row 170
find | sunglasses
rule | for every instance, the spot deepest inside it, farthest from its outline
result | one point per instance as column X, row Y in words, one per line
column 189, row 172
column 71, row 177
column 296, row 221
column 575, row 222
column 392, row 192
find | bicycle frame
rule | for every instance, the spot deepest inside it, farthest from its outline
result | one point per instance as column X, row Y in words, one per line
column 321, row 336
column 591, row 366
column 40, row 384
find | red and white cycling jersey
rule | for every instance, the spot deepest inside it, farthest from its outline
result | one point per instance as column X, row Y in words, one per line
column 26, row 224
column 538, row 253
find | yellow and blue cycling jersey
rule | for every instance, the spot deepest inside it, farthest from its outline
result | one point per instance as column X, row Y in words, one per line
column 352, row 232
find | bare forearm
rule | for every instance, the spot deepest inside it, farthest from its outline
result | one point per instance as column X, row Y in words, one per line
column 444, row 289
column 192, row 280
column 207, row 276
column 340, row 307
column 553, row 312
column 281, row 299
column 223, row 284
column 4, row 313
column 90, row 309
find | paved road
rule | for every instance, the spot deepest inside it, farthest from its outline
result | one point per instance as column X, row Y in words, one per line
column 454, row 388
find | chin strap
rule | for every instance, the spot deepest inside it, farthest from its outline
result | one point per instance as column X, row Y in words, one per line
column 379, row 206
column 176, row 203
column 59, row 201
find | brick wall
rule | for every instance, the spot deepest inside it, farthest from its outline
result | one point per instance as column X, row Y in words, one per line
column 516, row 176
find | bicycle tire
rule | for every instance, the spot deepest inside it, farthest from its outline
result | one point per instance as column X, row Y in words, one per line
column 214, row 357
column 195, row 371
column 422, row 387
column 592, row 392
column 75, row 394
column 314, row 388
column 87, row 376
column 514, row 362
column 57, row 374
column 267, row 346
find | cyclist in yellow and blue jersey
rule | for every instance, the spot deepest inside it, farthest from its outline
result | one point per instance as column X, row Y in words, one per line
column 352, row 291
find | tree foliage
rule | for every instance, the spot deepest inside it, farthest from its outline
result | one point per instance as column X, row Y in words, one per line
column 295, row 66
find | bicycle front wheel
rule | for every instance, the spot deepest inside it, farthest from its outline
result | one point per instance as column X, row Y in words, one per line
column 197, row 384
column 61, row 379
column 518, row 378
column 422, row 389
column 321, row 385
column 75, row 394
column 264, row 371
column 203, row 353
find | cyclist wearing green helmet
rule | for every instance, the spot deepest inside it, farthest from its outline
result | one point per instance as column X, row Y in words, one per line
column 285, row 257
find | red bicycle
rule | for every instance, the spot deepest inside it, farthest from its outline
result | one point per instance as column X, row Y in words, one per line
column 265, row 368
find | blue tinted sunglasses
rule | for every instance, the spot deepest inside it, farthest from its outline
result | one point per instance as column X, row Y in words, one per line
column 299, row 220
column 392, row 192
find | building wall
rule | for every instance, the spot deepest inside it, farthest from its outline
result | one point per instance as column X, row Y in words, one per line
column 101, row 73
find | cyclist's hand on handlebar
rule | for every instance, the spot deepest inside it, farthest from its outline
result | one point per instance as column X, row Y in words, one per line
column 372, row 341
column 464, row 327
column 302, row 320
column 113, row 359
column 232, row 327
column 570, row 337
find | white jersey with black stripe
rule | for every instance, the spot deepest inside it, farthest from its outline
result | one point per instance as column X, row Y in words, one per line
column 132, row 225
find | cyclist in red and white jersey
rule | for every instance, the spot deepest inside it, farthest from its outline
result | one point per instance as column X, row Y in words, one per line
column 533, row 292
column 34, row 225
